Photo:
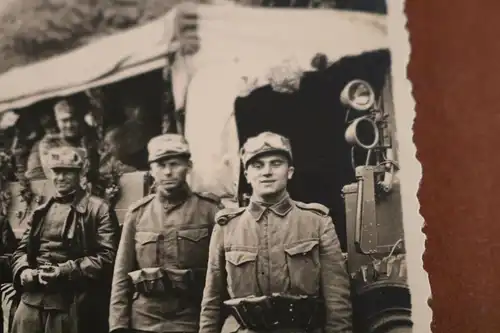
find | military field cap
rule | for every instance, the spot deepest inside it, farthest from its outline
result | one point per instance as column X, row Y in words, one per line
column 65, row 157
column 264, row 143
column 62, row 108
column 167, row 145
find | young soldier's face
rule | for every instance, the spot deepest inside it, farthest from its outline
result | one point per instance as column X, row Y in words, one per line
column 170, row 173
column 65, row 180
column 269, row 174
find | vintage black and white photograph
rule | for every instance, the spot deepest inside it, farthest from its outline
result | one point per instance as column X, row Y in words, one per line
column 208, row 166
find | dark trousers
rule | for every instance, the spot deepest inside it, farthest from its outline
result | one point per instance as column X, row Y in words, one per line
column 29, row 319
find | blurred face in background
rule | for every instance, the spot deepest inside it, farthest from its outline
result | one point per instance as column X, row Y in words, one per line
column 67, row 122
column 68, row 125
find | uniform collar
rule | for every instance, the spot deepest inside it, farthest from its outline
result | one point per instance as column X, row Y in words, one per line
column 79, row 202
column 177, row 199
column 67, row 198
column 281, row 208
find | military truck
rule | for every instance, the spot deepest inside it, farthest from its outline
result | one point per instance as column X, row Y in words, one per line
column 325, row 84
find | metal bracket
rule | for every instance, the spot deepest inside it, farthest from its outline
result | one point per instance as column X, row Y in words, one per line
column 366, row 214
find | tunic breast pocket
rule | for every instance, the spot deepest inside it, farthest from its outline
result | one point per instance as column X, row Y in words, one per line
column 192, row 247
column 147, row 247
column 303, row 266
column 241, row 267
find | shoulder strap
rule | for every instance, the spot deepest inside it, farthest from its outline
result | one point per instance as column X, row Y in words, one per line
column 141, row 202
column 209, row 197
column 227, row 214
column 313, row 207
column 139, row 205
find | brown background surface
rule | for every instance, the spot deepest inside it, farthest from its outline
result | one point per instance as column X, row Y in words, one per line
column 455, row 72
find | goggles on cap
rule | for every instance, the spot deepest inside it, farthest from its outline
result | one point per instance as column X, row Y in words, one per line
column 257, row 144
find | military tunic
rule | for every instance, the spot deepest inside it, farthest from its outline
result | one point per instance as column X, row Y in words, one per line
column 174, row 235
column 289, row 247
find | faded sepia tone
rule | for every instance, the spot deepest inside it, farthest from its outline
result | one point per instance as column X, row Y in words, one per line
column 208, row 167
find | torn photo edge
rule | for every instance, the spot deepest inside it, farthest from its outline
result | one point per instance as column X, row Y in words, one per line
column 411, row 169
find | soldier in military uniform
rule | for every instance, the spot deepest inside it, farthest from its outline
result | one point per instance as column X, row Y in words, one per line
column 161, row 263
column 275, row 265
column 63, row 265
column 70, row 134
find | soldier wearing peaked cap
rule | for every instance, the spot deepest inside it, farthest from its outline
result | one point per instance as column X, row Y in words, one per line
column 162, row 257
column 275, row 265
column 64, row 261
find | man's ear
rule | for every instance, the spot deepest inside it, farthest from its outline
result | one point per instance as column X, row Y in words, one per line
column 291, row 171
column 190, row 164
column 153, row 167
column 245, row 173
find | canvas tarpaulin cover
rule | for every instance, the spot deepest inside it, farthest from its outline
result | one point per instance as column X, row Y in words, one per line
column 239, row 47
column 104, row 61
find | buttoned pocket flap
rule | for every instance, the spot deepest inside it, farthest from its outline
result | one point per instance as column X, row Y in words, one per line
column 194, row 235
column 144, row 237
column 238, row 258
column 301, row 248
column 135, row 276
column 146, row 274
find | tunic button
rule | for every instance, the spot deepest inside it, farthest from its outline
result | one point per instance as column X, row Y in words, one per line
column 160, row 237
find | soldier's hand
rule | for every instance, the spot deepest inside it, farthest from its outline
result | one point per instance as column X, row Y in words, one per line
column 47, row 276
column 28, row 276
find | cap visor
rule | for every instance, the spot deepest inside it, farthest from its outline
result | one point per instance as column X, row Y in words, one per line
column 280, row 152
column 168, row 156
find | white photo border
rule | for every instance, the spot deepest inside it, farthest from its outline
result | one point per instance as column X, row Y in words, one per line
column 411, row 168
